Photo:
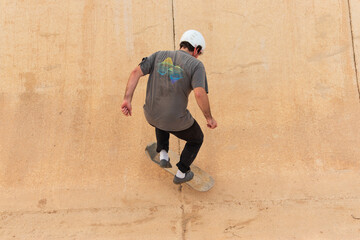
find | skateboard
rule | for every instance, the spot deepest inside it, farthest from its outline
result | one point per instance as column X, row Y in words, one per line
column 202, row 181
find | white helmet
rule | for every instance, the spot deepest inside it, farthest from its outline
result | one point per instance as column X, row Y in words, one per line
column 194, row 38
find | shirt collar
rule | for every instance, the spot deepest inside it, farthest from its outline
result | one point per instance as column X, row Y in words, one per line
column 185, row 52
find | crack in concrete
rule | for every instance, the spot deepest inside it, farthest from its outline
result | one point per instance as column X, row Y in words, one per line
column 184, row 222
column 353, row 48
column 178, row 147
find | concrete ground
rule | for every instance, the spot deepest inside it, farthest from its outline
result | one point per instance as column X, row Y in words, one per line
column 297, row 206
column 283, row 85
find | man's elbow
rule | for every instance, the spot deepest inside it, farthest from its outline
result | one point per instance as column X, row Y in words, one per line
column 137, row 72
column 199, row 92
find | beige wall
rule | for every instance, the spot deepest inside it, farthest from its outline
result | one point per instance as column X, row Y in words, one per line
column 281, row 77
column 64, row 69
column 282, row 83
column 355, row 21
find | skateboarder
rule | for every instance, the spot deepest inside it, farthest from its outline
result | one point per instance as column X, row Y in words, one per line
column 173, row 75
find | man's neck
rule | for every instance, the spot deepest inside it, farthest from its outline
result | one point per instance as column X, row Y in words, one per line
column 187, row 51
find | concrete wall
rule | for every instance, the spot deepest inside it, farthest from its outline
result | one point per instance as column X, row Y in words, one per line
column 64, row 66
column 284, row 88
column 282, row 80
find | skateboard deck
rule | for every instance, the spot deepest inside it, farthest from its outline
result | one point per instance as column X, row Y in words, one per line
column 202, row 181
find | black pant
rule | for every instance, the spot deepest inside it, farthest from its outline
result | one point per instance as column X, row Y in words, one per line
column 194, row 138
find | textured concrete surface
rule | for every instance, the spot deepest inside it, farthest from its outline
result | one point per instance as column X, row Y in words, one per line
column 284, row 88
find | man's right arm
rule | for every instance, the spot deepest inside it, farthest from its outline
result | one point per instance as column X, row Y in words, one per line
column 204, row 104
column 130, row 89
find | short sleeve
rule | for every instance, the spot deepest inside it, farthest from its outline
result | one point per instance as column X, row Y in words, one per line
column 147, row 64
column 199, row 78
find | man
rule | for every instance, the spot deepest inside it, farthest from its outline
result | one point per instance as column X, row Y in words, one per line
column 173, row 75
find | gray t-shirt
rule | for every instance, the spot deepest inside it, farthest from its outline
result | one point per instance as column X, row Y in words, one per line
column 173, row 75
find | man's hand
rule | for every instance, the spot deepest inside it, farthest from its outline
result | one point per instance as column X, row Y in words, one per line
column 211, row 123
column 126, row 108
column 203, row 102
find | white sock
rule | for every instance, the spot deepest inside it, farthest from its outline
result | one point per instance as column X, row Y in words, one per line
column 164, row 155
column 180, row 174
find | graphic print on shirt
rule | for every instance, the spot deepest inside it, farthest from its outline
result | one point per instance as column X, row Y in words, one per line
column 167, row 67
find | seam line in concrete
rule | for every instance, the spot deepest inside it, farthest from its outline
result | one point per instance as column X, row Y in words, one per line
column 353, row 48
column 173, row 21
column 174, row 46
column 183, row 205
column 183, row 222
